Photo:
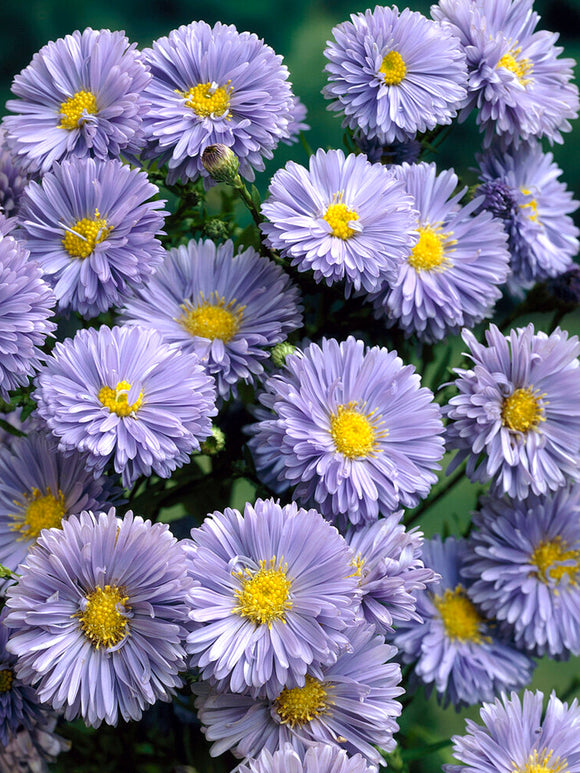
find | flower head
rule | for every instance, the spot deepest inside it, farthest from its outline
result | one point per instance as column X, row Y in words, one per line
column 30, row 751
column 123, row 393
column 394, row 74
column 516, row 418
column 82, row 95
column 343, row 218
column 116, row 591
column 319, row 758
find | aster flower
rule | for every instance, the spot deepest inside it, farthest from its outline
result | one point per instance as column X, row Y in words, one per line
column 12, row 178
column 352, row 429
column 455, row 649
column 30, row 751
column 542, row 236
column 80, row 96
column 319, row 758
column 516, row 419
column 116, row 591
column 215, row 85
column 92, row 228
column 39, row 486
column 451, row 277
column 343, row 218
column 516, row 737
column 390, row 569
column 524, row 559
column 123, row 393
column 227, row 309
column 26, row 305
column 517, row 82
column 276, row 593
column 351, row 706
column 394, row 74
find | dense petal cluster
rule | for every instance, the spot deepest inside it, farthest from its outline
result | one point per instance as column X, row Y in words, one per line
column 451, row 277
column 342, row 218
column 82, row 95
column 517, row 82
column 517, row 416
column 26, row 305
column 455, row 649
column 12, row 178
column 517, row 735
column 215, row 85
column 30, row 751
column 227, row 309
column 319, row 758
column 394, row 74
column 123, row 393
column 117, row 592
column 351, row 428
column 524, row 559
column 276, row 593
column 92, row 227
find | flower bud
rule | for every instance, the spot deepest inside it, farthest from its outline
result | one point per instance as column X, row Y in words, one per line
column 214, row 443
column 280, row 352
column 221, row 163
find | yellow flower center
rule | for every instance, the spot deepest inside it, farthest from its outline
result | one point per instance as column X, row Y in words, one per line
column 357, row 563
column 81, row 239
column 460, row 618
column 72, row 109
column 338, row 216
column 264, row 594
column 542, row 762
column 299, row 705
column 42, row 511
column 549, row 556
column 6, row 679
column 116, row 399
column 522, row 410
column 430, row 251
column 213, row 318
column 532, row 205
column 208, row 99
column 521, row 67
column 355, row 434
column 102, row 622
column 393, row 68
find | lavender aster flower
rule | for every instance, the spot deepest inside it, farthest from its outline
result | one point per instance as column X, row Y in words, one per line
column 455, row 649
column 319, row 758
column 451, row 277
column 352, row 429
column 516, row 418
column 525, row 562
column 123, row 393
column 394, row 74
column 81, row 95
column 343, row 218
column 225, row 308
column 26, row 304
column 351, row 706
column 276, row 593
column 30, row 751
column 99, row 616
column 542, row 236
column 215, row 85
column 517, row 82
column 516, row 737
column 92, row 229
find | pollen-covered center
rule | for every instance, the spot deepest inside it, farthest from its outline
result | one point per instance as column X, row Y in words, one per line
column 208, row 99
column 81, row 238
column 116, row 399
column 299, row 705
column 555, row 559
column 104, row 619
column 522, row 410
column 6, row 679
column 355, row 434
column 519, row 65
column 40, row 511
column 542, row 762
column 264, row 595
column 393, row 68
column 430, row 252
column 338, row 216
column 74, row 109
column 530, row 206
column 212, row 318
column 461, row 619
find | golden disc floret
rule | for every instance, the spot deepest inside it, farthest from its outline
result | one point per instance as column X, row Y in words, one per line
column 355, row 433
column 549, row 556
column 264, row 595
column 393, row 68
column 72, row 110
column 104, row 619
column 116, row 399
column 299, row 705
column 41, row 511
column 212, row 318
column 208, row 99
column 83, row 236
column 522, row 410
column 461, row 620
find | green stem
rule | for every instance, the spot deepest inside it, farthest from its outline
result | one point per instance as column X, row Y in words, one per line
column 247, row 199
column 12, row 430
column 451, row 483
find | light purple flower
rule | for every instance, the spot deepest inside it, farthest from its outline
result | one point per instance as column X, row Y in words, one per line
column 319, row 758
column 30, row 751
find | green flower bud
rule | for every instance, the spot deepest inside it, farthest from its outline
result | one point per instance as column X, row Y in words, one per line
column 215, row 443
column 221, row 163
column 280, row 352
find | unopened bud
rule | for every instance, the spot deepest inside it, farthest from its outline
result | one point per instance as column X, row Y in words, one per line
column 221, row 163
column 280, row 352
column 215, row 443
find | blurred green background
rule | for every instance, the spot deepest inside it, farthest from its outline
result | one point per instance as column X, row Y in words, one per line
column 298, row 30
